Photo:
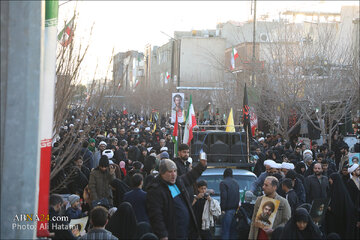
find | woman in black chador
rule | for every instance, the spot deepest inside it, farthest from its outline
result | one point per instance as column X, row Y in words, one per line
column 300, row 226
column 340, row 217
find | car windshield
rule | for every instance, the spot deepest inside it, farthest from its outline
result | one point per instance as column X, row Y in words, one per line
column 213, row 182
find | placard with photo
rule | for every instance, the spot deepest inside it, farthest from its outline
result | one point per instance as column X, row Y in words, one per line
column 267, row 212
column 177, row 105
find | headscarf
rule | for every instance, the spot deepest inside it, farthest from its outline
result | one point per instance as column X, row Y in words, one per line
column 291, row 231
column 298, row 168
column 341, row 219
column 120, row 189
column 123, row 223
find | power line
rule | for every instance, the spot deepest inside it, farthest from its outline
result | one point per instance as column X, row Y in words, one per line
column 64, row 3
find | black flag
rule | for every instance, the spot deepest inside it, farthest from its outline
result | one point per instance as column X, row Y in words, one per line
column 246, row 114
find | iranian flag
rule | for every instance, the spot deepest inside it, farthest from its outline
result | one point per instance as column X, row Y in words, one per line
column 234, row 56
column 66, row 35
column 190, row 123
column 175, row 135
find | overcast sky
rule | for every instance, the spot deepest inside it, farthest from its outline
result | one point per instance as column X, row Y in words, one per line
column 130, row 25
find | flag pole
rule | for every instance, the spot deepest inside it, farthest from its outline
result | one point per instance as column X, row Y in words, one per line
column 248, row 144
column 46, row 116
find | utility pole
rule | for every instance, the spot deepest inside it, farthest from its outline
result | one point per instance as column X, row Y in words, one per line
column 254, row 40
column 22, row 36
column 172, row 60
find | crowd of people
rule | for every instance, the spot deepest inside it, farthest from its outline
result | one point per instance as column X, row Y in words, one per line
column 123, row 174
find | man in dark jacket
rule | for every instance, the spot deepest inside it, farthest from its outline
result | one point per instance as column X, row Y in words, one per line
column 100, row 179
column 134, row 152
column 137, row 198
column 229, row 202
column 298, row 185
column 168, row 204
column 316, row 185
column 183, row 153
column 120, row 154
column 290, row 194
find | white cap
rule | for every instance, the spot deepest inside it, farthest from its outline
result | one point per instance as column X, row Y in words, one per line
column 288, row 166
column 277, row 165
column 132, row 124
column 307, row 151
column 162, row 129
column 71, row 125
column 136, row 130
column 269, row 162
column 109, row 153
column 163, row 149
column 353, row 168
column 261, row 139
column 102, row 143
column 147, row 129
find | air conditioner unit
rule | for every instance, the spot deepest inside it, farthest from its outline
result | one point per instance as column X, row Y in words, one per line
column 264, row 37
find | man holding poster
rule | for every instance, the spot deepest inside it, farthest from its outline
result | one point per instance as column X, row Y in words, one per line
column 270, row 211
column 177, row 106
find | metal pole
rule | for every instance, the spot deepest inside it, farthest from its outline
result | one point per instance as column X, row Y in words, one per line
column 22, row 32
column 172, row 61
column 179, row 52
column 248, row 143
column 46, row 119
column 254, row 40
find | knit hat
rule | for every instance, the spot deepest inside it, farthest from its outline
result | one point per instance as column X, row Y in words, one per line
column 166, row 165
column 102, row 143
column 104, row 161
column 249, row 196
column 91, row 140
column 353, row 168
column 73, row 198
column 164, row 155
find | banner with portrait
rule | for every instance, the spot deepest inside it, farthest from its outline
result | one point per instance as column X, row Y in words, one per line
column 266, row 214
column 318, row 210
column 177, row 105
